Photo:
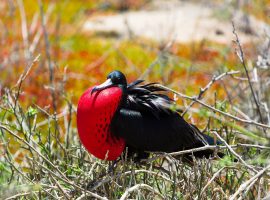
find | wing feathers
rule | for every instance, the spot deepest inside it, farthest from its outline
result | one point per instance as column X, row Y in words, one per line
column 147, row 98
column 167, row 133
column 146, row 121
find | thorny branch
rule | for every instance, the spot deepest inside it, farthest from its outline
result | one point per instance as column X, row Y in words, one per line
column 252, row 122
column 137, row 187
column 203, row 90
column 23, row 77
column 234, row 153
column 250, row 181
column 240, row 54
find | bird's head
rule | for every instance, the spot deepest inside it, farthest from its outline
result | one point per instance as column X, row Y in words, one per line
column 115, row 78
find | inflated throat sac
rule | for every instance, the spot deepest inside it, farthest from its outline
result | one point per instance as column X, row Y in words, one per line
column 94, row 115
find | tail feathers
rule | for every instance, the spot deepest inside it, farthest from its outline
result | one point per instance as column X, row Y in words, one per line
column 210, row 140
column 208, row 153
column 205, row 140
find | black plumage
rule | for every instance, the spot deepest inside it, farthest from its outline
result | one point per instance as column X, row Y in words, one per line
column 147, row 121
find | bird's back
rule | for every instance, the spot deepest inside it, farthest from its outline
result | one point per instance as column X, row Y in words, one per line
column 147, row 122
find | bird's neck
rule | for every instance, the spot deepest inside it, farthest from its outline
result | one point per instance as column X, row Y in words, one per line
column 123, row 100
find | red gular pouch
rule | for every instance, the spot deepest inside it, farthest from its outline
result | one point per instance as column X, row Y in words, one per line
column 94, row 115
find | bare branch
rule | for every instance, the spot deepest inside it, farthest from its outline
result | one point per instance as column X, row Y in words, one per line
column 203, row 90
column 250, row 181
column 138, row 187
column 234, row 153
column 24, row 28
column 252, row 122
column 240, row 54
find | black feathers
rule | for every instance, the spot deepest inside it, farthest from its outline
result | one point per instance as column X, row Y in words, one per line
column 147, row 98
column 147, row 122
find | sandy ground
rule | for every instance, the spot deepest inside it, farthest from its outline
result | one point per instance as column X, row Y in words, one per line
column 176, row 20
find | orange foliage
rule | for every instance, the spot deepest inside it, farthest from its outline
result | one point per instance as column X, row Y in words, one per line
column 206, row 54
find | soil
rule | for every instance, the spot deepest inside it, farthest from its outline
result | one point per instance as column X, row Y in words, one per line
column 182, row 21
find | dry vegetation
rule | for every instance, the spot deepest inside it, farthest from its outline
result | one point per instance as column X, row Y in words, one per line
column 46, row 63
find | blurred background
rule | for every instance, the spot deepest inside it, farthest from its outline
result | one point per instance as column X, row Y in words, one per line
column 178, row 43
column 51, row 51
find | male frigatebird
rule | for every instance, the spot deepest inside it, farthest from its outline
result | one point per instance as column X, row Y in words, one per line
column 116, row 115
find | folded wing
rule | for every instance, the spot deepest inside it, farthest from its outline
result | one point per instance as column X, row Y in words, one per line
column 147, row 122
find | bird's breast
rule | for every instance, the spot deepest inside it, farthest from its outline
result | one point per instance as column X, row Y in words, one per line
column 94, row 115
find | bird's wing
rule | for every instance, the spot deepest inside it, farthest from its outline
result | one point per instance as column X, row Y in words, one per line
column 148, row 98
column 167, row 133
column 146, row 121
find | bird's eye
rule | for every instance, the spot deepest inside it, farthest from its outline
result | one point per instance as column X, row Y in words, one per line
column 117, row 78
column 114, row 80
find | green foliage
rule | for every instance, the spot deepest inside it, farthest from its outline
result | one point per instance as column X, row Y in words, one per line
column 31, row 111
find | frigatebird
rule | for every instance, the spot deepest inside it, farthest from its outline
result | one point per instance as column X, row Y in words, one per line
column 116, row 115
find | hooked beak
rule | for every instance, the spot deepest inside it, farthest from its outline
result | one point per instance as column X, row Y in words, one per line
column 106, row 84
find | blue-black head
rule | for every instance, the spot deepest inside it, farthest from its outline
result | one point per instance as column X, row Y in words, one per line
column 115, row 78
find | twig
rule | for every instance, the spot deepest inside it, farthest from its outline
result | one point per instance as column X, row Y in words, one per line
column 240, row 54
column 250, row 146
column 25, row 177
column 27, row 71
column 203, row 90
column 60, row 187
column 16, row 196
column 214, row 177
column 194, row 150
column 71, row 183
column 23, row 77
column 58, row 116
column 155, row 62
column 107, row 179
column 207, row 147
column 34, row 23
column 250, row 181
column 37, row 37
column 137, row 187
column 48, row 55
column 31, row 147
column 178, row 153
column 148, row 172
column 24, row 28
column 234, row 153
column 267, row 197
column 241, row 113
column 214, row 109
